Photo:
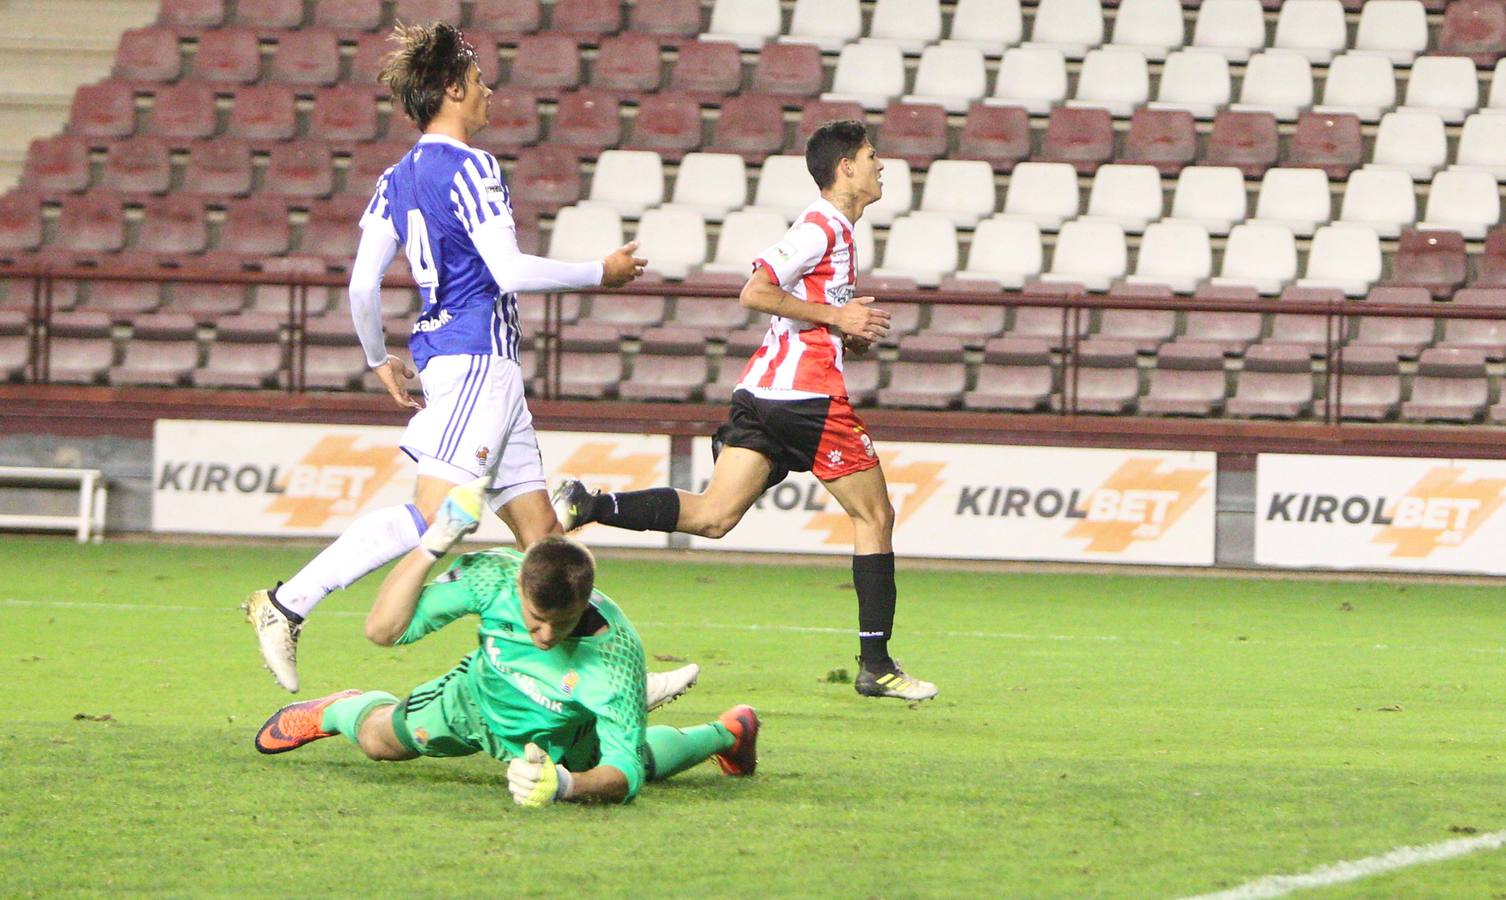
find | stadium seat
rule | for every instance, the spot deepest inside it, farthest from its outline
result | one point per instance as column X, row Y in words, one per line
column 670, row 366
column 708, row 69
column 1196, row 81
column 910, row 24
column 124, row 301
column 162, row 350
column 332, row 355
column 673, row 18
column 80, row 349
column 1261, row 255
column 246, row 353
column 543, row 176
column 1328, row 141
column 914, row 133
column 1050, row 323
column 103, row 110
column 270, row 14
column 1381, row 197
column 747, row 23
column 1490, row 266
column 588, row 18
column 514, row 18
column 586, row 120
column 1434, row 260
column 989, row 25
column 61, row 164
column 1276, row 382
column 1443, row 85
column 1005, row 250
column 183, row 110
column 1107, row 380
column 20, row 222
column 306, row 56
column 344, row 114
column 585, row 232
column 627, row 62
column 1044, row 192
column 1412, row 140
column 1407, row 336
column 192, row 13
column 1089, row 252
column 277, row 300
column 590, row 366
column 1153, row 27
column 998, row 135
column 349, row 15
column 928, row 373
column 1369, row 384
column 227, row 56
column 922, row 246
column 870, row 74
column 1361, row 84
column 371, row 51
column 750, row 125
column 140, row 165
column 974, row 325
column 1083, row 138
column 668, row 124
column 1308, row 329
column 1112, row 78
column 1474, row 28
column 1296, row 198
column 783, row 184
column 1486, row 335
column 961, row 190
column 1032, row 77
column 1128, row 195
column 898, row 197
column 1279, row 82
column 257, row 226
column 1346, row 256
column 1016, row 375
column 1245, row 140
column 1482, row 144
column 268, row 112
column 1174, row 253
column 951, row 75
column 218, row 167
column 15, row 344
column 1188, row 380
column 1232, row 28
column 712, row 316
column 1497, row 97
column 1313, row 28
column 173, row 225
column 1071, row 26
column 148, row 54
column 301, row 169
column 673, row 239
column 331, row 230
column 1450, row 386
column 1146, row 329
column 513, row 121
column 91, row 223
column 828, row 24
column 546, row 63
column 1397, row 28
column 745, row 234
column 1462, row 200
column 209, row 302
column 790, row 72
column 1163, row 138
column 1212, row 196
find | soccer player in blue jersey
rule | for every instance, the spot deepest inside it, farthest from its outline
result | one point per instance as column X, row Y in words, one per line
column 446, row 206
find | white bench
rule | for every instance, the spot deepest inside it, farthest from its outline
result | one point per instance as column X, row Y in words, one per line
column 89, row 523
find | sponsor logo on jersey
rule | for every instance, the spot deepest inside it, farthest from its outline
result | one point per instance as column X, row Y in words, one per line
column 525, row 684
column 427, row 324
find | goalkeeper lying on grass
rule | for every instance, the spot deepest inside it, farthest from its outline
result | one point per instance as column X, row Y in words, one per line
column 555, row 689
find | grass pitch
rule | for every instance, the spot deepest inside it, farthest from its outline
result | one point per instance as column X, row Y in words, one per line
column 1096, row 736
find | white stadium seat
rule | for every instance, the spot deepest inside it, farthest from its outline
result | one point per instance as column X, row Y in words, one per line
column 1044, row 192
column 898, row 197
column 1154, row 27
column 1445, row 85
column 585, row 231
column 1412, row 140
column 829, row 24
column 1127, row 194
column 1397, row 28
column 1006, row 249
column 1344, row 256
column 1234, row 28
column 1360, row 83
column 1262, row 255
column 1296, row 198
column 1032, row 77
column 1314, row 28
column 912, row 24
column 630, row 181
column 1482, row 144
column 1382, row 197
column 962, row 190
column 989, row 25
column 1090, row 253
column 1113, row 78
column 950, row 75
column 1195, row 80
column 922, row 246
column 748, row 23
column 745, row 234
column 1175, row 253
column 868, row 73
column 784, row 184
column 1071, row 26
column 862, row 239
column 1278, row 82
column 1462, row 200
column 1497, row 99
column 1212, row 196
column 713, row 184
column 672, row 239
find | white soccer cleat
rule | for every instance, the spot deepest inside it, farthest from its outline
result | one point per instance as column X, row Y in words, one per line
column 667, row 687
column 277, row 635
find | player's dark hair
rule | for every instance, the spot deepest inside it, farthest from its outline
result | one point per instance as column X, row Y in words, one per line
column 429, row 60
column 829, row 145
column 557, row 573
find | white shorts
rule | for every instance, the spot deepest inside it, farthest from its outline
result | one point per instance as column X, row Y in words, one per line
column 474, row 409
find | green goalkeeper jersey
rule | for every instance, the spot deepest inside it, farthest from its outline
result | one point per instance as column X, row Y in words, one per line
column 553, row 698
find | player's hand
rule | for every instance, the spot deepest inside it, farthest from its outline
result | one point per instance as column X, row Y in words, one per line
column 860, row 319
column 394, row 373
column 535, row 780
column 457, row 516
column 621, row 266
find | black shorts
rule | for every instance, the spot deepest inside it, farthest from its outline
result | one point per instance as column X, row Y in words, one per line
column 821, row 435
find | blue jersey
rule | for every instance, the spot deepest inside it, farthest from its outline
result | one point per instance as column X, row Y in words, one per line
column 438, row 201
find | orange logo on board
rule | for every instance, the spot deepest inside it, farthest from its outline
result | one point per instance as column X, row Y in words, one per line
column 1441, row 510
column 334, row 479
column 602, row 467
column 1137, row 502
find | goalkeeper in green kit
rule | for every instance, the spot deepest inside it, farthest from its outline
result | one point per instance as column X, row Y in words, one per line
column 555, row 689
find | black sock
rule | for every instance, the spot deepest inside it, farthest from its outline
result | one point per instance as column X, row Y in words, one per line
column 873, row 576
column 656, row 509
column 292, row 616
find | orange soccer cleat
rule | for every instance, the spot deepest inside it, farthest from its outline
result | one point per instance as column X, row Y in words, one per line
column 742, row 757
column 297, row 724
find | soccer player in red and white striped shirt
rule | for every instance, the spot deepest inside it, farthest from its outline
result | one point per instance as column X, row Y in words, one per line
column 790, row 411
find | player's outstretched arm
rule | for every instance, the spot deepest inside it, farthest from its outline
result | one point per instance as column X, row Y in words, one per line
column 858, row 318
column 397, row 598
column 536, row 780
column 622, row 266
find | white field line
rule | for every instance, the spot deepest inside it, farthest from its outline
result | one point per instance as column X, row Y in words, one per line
column 1355, row 869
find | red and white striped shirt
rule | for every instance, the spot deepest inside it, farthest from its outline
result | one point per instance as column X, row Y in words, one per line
column 815, row 262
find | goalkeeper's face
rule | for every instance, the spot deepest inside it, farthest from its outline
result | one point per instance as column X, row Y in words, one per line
column 546, row 628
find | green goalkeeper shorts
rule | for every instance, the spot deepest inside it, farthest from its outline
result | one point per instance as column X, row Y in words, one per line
column 443, row 717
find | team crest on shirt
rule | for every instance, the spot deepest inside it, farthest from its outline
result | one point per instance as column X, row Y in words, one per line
column 867, row 443
column 568, row 683
column 421, row 735
column 482, row 453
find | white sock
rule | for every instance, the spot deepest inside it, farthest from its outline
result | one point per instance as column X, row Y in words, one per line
column 370, row 542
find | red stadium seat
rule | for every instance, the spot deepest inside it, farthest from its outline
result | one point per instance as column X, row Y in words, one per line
column 710, row 68
column 1082, row 137
column 173, row 226
column 425, row 11
column 1164, row 138
column 1370, row 383
column 1450, row 386
column 141, row 165
column 1474, row 28
column 1188, row 380
column 124, row 301
column 671, row 365
column 279, row 14
column 162, row 350
column 344, row 113
column 1016, row 375
column 818, row 112
column 1107, row 378
column 1329, row 141
column 20, row 222
column 332, row 230
column 366, row 64
column 1407, row 336
column 1490, row 269
column 192, row 13
column 92, row 223
column 1485, row 335
column 79, row 347
column 107, row 109
column 507, row 17
column 627, row 62
column 1309, row 330
column 667, row 123
column 790, row 71
column 348, row 15
column 998, row 135
column 681, row 18
column 227, row 56
column 914, row 132
column 590, row 367
column 245, row 353
column 751, row 125
column 274, row 299
column 57, row 164
column 263, row 112
column 1245, row 140
column 333, row 360
column 368, row 162
column 1276, row 382
column 1434, row 260
column 545, row 63
column 183, row 110
column 148, row 54
column 587, row 120
column 307, row 56
column 301, row 169
column 512, row 122
column 1147, row 329
column 1234, row 331
column 544, row 176
column 929, row 373
column 592, row 17
column 218, row 167
column 257, row 226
